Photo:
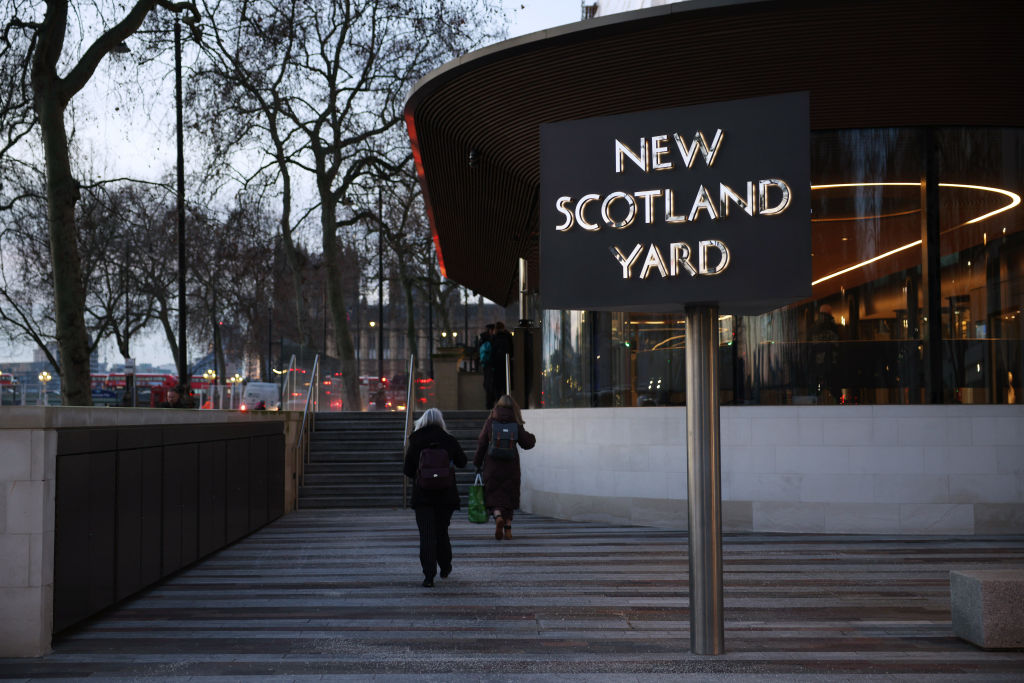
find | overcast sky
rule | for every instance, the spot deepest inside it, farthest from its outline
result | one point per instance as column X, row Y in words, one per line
column 525, row 16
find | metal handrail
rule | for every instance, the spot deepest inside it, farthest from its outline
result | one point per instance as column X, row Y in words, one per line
column 410, row 404
column 508, row 376
column 309, row 417
column 289, row 381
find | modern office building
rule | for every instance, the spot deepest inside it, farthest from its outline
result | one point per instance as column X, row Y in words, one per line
column 888, row 400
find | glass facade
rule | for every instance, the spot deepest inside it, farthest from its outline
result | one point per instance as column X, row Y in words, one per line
column 917, row 295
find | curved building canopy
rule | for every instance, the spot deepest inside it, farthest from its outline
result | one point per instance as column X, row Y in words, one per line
column 474, row 123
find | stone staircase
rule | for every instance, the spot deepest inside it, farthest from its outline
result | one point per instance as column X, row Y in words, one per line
column 355, row 459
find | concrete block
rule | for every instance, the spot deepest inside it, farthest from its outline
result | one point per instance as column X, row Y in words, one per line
column 26, row 507
column 998, row 518
column 28, row 621
column 957, row 460
column 664, row 514
column 837, row 488
column 749, row 459
column 922, row 431
column 737, row 516
column 1009, row 459
column 846, row 431
column 911, row 488
column 773, row 432
column 982, row 488
column 16, row 456
column 887, row 460
column 862, row 518
column 735, row 431
column 765, row 487
column 812, row 459
column 44, row 454
column 15, row 554
column 924, row 518
column 995, row 431
column 789, row 517
column 988, row 606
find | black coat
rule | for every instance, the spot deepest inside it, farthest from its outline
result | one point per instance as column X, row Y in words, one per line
column 420, row 439
column 502, row 478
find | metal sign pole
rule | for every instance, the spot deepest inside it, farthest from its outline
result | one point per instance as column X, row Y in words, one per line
column 704, row 477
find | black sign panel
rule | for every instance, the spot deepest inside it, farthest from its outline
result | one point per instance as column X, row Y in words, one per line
column 654, row 210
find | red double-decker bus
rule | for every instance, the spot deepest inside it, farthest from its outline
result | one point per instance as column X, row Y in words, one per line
column 151, row 388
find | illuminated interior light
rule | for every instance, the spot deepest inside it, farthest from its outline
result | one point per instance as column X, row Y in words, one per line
column 854, row 267
column 663, row 342
column 1014, row 201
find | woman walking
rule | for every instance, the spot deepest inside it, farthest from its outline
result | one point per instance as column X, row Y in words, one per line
column 497, row 454
column 434, row 494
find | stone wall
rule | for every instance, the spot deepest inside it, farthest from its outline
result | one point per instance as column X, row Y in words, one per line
column 838, row 469
column 28, row 464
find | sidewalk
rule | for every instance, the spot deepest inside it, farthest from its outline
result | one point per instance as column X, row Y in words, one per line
column 336, row 595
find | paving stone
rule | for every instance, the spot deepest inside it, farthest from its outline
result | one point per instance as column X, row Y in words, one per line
column 335, row 595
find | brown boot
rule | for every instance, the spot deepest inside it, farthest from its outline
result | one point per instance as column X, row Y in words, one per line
column 508, row 532
column 499, row 525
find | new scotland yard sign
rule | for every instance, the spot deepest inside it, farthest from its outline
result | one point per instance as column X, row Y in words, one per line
column 655, row 210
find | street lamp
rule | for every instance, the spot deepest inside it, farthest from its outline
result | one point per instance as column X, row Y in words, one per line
column 234, row 381
column 185, row 378
column 210, row 376
column 380, row 284
column 44, row 378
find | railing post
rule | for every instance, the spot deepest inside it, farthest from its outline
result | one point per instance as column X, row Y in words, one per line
column 704, row 477
column 410, row 402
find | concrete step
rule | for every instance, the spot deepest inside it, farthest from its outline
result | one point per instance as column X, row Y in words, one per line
column 356, row 458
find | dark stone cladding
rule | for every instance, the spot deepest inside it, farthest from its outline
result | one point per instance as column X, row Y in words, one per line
column 135, row 504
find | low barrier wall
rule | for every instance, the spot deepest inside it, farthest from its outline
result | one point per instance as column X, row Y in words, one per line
column 943, row 469
column 99, row 503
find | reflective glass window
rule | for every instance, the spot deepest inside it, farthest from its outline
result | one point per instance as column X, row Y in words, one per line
column 863, row 336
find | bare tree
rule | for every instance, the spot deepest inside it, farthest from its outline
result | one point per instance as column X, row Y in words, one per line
column 111, row 231
column 328, row 78
column 238, row 92
column 59, row 69
column 229, row 274
column 26, row 277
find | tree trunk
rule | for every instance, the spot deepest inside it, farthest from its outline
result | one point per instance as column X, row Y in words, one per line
column 291, row 256
column 164, row 317
column 219, row 362
column 336, row 304
column 62, row 195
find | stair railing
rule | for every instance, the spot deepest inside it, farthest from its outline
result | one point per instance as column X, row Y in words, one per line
column 288, row 385
column 410, row 405
column 309, row 417
column 508, row 376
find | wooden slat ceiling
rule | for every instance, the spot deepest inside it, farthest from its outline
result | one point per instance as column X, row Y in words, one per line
column 866, row 63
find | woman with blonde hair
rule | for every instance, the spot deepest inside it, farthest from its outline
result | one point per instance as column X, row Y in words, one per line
column 433, row 505
column 497, row 455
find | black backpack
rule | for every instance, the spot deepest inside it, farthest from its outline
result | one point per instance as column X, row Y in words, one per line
column 435, row 472
column 503, row 440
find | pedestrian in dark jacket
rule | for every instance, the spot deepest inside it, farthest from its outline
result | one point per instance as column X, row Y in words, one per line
column 433, row 508
column 502, row 477
column 501, row 349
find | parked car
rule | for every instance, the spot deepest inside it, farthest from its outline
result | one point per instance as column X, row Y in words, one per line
column 261, row 396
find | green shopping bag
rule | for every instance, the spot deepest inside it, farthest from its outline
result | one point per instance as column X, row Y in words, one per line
column 477, row 511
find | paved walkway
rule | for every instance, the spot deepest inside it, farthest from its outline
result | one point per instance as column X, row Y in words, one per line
column 336, row 595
